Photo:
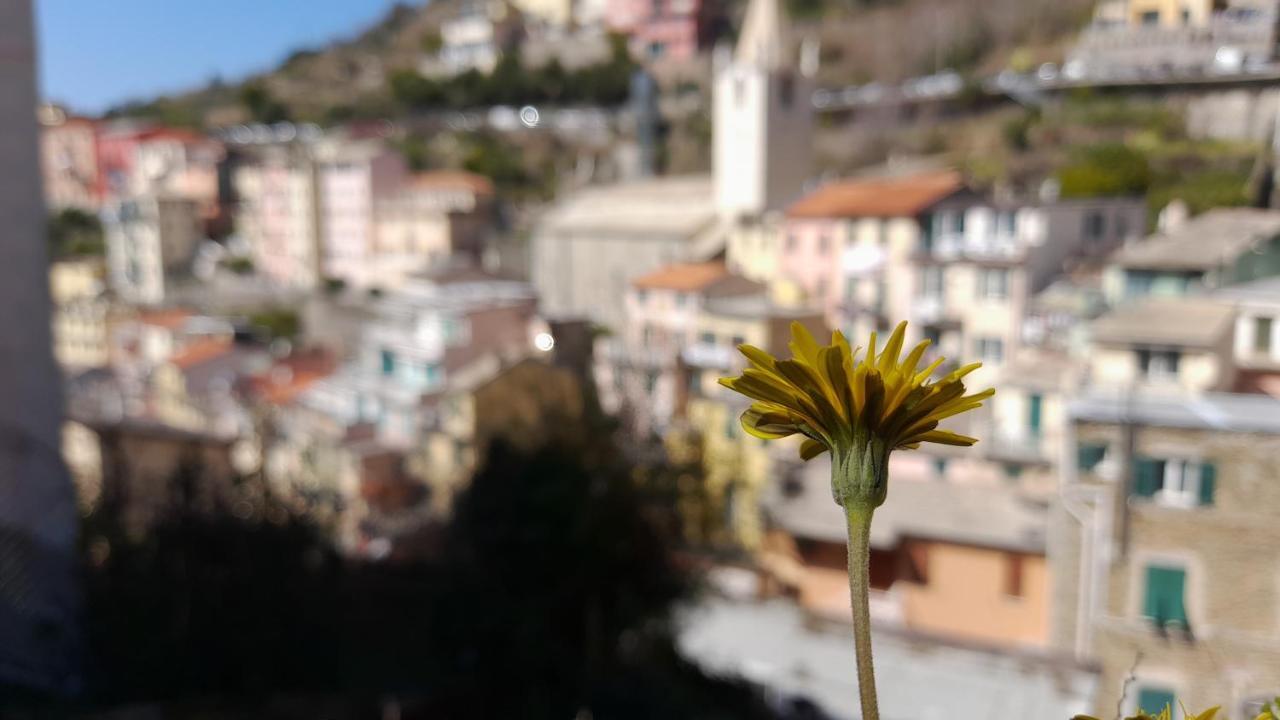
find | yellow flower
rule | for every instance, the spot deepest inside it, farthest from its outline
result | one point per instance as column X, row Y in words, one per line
column 859, row 410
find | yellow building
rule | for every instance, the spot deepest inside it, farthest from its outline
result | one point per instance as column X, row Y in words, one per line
column 81, row 312
column 736, row 466
column 1172, row 13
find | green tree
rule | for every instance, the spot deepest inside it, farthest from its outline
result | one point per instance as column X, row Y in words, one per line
column 262, row 106
column 74, row 232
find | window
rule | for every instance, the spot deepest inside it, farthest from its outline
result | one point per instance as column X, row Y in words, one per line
column 957, row 222
column 1158, row 364
column 993, row 283
column 1150, row 17
column 1013, row 586
column 787, row 91
column 990, row 349
column 388, row 362
column 681, row 299
column 707, row 338
column 646, row 335
column 1164, row 601
column 1035, row 407
column 738, row 340
column 1153, row 700
column 1175, row 482
column 1138, row 283
column 1095, row 226
column 940, row 466
column 1005, row 223
column 1262, row 327
column 642, row 295
column 931, row 281
column 650, row 381
column 1089, row 454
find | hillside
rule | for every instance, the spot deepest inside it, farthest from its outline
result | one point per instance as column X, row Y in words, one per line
column 861, row 40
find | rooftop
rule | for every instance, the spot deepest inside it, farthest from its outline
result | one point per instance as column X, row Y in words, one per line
column 710, row 278
column 1195, row 321
column 778, row 646
column 879, row 197
column 1203, row 242
column 967, row 513
column 1265, row 290
column 680, row 207
column 756, row 307
column 170, row 319
column 452, row 180
column 1209, row 411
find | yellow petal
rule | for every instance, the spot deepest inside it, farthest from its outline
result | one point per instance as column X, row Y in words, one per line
column 810, row 449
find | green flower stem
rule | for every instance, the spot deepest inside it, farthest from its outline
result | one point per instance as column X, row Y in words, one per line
column 859, row 594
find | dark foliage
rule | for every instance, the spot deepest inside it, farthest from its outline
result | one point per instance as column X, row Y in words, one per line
column 551, row 593
column 74, row 232
column 510, row 83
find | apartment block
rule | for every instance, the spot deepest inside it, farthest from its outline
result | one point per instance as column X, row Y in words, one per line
column 1164, row 554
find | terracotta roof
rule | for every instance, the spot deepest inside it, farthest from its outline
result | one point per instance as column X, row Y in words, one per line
column 169, row 319
column 685, row 277
column 880, row 197
column 450, row 179
column 286, row 379
column 201, row 351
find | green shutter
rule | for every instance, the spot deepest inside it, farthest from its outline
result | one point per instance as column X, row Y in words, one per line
column 1165, row 592
column 1036, row 403
column 1088, row 455
column 1153, row 700
column 1147, row 476
column 1208, row 473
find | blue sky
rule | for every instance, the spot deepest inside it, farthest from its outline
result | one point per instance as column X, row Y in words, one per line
column 97, row 53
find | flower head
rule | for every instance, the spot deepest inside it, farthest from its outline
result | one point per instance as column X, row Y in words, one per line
column 838, row 402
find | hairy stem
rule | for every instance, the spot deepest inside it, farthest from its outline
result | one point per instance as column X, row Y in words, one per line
column 859, row 520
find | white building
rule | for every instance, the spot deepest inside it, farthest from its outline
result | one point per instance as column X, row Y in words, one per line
column 421, row 334
column 150, row 240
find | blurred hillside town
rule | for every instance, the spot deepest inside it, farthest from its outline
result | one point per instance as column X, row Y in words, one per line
column 316, row 305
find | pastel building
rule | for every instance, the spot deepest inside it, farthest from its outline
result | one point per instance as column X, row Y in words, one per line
column 349, row 176
column 81, row 311
column 69, row 160
column 277, row 214
column 663, row 311
column 662, row 30
column 178, row 163
column 1171, row 345
column 433, row 216
column 418, row 337
column 1164, row 549
column 150, row 242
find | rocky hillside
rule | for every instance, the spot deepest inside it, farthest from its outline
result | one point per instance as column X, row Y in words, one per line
column 862, row 41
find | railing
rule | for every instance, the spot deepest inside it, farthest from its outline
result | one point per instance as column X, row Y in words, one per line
column 705, row 355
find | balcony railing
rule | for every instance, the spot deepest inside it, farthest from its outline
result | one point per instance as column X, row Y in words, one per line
column 706, row 355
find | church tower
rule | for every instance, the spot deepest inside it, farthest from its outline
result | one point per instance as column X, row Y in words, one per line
column 762, row 117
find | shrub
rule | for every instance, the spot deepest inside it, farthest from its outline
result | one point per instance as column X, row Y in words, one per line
column 1102, row 170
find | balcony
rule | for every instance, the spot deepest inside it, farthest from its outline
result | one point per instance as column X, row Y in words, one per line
column 995, row 246
column 709, row 357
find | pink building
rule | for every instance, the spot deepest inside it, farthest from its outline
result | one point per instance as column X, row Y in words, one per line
column 663, row 29
column 349, row 177
column 180, row 163
column 69, row 161
column 849, row 248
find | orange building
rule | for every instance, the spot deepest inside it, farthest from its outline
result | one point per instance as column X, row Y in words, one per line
column 961, row 560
